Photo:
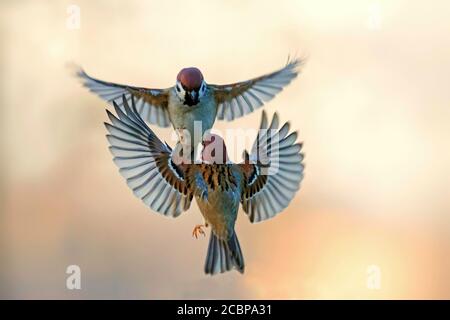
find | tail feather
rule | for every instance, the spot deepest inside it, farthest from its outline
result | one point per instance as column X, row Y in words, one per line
column 223, row 255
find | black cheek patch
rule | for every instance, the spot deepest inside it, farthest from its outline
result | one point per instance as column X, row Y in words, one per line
column 188, row 100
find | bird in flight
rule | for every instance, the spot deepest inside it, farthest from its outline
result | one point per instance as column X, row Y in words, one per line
column 193, row 100
column 264, row 183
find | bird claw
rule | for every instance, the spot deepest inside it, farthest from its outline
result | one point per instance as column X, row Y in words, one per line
column 198, row 230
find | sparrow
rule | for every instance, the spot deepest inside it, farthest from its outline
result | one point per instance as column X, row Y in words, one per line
column 263, row 184
column 193, row 100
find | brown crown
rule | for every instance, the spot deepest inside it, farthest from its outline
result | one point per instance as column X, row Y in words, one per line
column 190, row 78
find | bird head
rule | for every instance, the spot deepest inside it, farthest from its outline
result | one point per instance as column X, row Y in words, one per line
column 190, row 86
column 214, row 150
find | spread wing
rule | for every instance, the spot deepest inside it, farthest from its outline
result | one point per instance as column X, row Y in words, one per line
column 145, row 162
column 238, row 99
column 272, row 172
column 151, row 104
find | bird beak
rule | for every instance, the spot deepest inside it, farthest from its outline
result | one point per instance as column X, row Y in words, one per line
column 191, row 98
column 194, row 96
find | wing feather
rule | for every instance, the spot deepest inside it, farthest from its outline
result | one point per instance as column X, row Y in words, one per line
column 238, row 99
column 274, row 176
column 149, row 101
column 145, row 162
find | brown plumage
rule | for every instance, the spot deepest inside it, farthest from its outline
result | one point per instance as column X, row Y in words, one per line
column 190, row 78
column 193, row 100
column 218, row 186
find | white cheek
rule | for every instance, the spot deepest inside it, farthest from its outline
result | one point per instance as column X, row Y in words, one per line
column 202, row 90
column 181, row 94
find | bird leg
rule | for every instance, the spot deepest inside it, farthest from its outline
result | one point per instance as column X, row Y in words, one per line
column 198, row 230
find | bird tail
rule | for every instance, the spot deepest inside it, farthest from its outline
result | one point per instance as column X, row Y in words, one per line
column 223, row 255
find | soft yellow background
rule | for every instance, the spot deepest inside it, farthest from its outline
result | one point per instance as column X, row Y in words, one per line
column 371, row 105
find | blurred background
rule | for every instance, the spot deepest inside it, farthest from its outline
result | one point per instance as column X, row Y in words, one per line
column 372, row 219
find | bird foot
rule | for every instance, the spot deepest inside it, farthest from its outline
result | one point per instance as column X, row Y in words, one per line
column 198, row 231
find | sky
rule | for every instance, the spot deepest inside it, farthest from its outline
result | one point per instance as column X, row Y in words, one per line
column 371, row 106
